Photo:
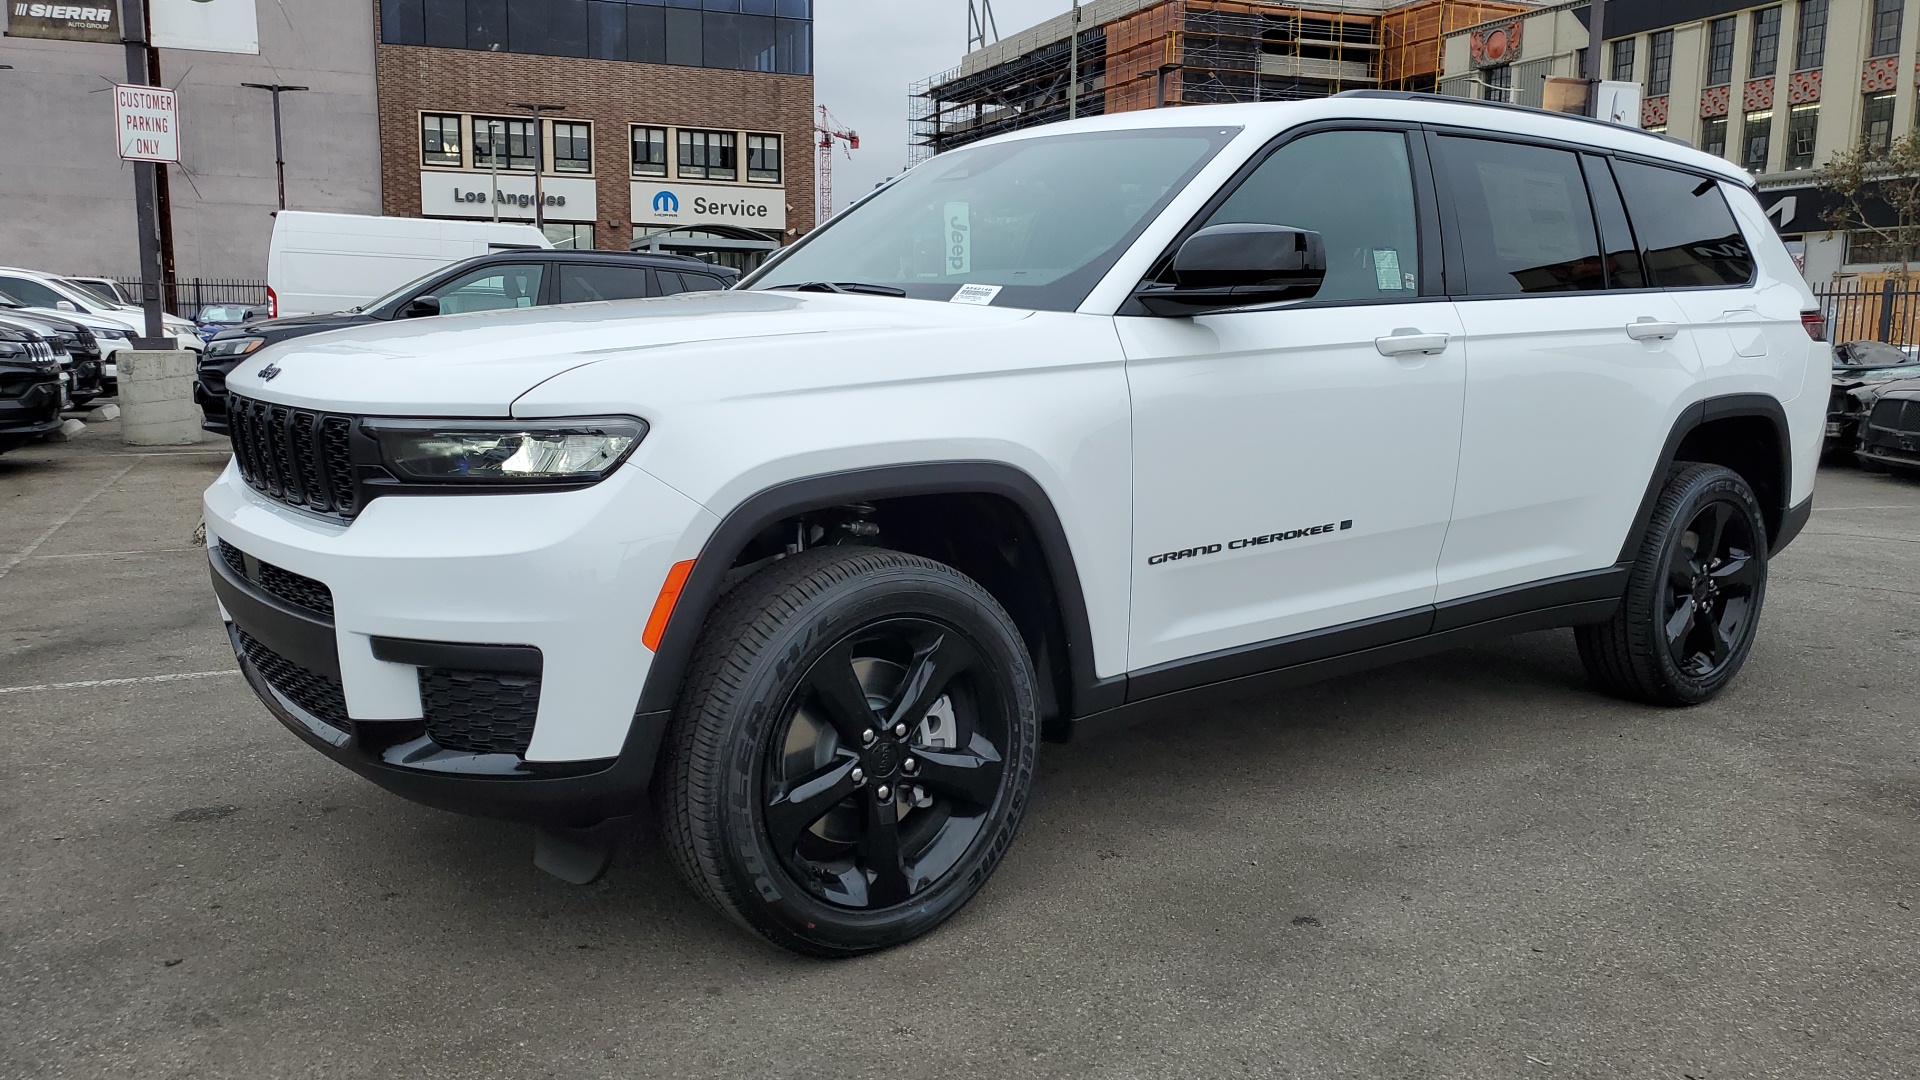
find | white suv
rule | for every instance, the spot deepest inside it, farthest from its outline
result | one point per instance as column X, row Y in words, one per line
column 1058, row 431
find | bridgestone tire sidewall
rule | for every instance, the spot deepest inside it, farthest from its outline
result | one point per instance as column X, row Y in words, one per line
column 1723, row 486
column 753, row 869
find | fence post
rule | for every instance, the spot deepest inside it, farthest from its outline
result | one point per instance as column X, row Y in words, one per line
column 1886, row 311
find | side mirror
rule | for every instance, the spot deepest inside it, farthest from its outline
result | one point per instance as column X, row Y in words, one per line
column 421, row 307
column 1240, row 265
column 64, row 305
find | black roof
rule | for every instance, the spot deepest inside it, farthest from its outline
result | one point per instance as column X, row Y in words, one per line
column 662, row 260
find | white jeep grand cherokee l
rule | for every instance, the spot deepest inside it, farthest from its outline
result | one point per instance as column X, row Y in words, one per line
column 1059, row 430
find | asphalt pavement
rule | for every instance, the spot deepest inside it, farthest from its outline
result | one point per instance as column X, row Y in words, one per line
column 1468, row 866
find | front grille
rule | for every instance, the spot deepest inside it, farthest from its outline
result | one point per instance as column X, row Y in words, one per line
column 299, row 457
column 479, row 712
column 295, row 589
column 317, row 694
column 1896, row 414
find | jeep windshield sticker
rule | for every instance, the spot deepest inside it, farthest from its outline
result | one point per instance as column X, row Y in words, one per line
column 1386, row 269
column 1248, row 541
column 977, row 295
column 959, row 219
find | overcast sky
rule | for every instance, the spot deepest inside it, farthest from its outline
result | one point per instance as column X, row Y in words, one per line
column 867, row 52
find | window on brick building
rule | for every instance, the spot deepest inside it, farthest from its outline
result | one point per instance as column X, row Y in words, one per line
column 710, row 155
column 1810, row 38
column 1622, row 70
column 572, row 147
column 1803, row 123
column 763, row 158
column 1756, row 140
column 1659, row 63
column 649, row 151
column 440, row 140
column 1876, row 122
column 1720, row 51
column 1886, row 27
column 1765, row 55
column 1713, row 135
column 504, row 143
column 742, row 35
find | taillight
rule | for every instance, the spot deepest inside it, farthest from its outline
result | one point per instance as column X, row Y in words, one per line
column 1815, row 324
column 273, row 304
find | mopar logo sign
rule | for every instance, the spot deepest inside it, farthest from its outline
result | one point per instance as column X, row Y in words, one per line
column 755, row 206
column 666, row 203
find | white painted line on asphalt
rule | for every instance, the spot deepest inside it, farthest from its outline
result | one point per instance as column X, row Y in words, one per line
column 90, row 683
column 1843, row 509
column 105, row 554
column 24, row 552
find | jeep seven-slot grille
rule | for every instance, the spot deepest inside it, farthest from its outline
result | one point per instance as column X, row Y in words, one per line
column 312, row 691
column 479, row 712
column 294, row 455
column 295, row 589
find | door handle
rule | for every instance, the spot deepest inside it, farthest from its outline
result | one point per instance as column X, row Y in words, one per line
column 1647, row 328
column 1405, row 340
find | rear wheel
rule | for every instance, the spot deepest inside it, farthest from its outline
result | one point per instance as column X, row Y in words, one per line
column 1693, row 600
column 852, row 752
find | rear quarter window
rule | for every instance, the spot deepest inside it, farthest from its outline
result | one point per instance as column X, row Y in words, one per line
column 1687, row 233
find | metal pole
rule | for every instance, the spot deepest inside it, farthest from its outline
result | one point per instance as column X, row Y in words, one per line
column 146, row 203
column 539, row 160
column 279, row 150
column 1596, row 41
column 1073, row 66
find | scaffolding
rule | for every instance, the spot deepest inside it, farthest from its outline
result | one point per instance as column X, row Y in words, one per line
column 1145, row 54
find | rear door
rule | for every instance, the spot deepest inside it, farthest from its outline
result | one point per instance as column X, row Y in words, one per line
column 583, row 282
column 1294, row 466
column 1574, row 360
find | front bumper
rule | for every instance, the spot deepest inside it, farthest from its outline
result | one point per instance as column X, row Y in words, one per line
column 567, row 578
column 33, row 414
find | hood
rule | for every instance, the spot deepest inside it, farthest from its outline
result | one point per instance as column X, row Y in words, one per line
column 477, row 364
column 40, row 319
column 293, row 325
column 1870, row 392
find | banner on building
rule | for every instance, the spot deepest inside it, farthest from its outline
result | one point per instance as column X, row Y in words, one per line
column 64, row 22
column 1495, row 45
column 228, row 26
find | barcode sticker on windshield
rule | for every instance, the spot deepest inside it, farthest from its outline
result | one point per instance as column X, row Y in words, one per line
column 977, row 295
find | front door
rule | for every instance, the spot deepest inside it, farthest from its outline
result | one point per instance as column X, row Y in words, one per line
column 1294, row 467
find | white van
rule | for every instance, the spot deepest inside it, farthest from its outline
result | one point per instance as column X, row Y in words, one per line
column 330, row 262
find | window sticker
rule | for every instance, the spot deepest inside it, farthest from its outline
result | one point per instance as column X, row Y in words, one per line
column 1386, row 269
column 977, row 295
column 959, row 230
column 1407, row 280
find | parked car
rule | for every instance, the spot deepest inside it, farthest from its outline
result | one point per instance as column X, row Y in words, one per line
column 53, row 292
column 1063, row 429
column 217, row 317
column 1890, row 428
column 106, row 289
column 31, row 390
column 330, row 262
column 69, row 336
column 502, row 279
column 1858, row 364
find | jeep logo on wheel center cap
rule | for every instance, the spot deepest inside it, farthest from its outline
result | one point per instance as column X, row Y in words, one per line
column 884, row 759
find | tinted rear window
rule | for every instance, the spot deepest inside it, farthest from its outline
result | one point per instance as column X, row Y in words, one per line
column 1525, row 223
column 1686, row 230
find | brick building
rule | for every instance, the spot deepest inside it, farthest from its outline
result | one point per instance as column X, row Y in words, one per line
column 662, row 123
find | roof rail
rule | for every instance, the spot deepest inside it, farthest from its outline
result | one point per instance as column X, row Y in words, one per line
column 1409, row 95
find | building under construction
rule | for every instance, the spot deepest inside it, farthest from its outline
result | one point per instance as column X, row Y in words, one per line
column 1146, row 54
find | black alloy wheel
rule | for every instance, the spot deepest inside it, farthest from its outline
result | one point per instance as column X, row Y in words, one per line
column 884, row 771
column 1693, row 598
column 852, row 751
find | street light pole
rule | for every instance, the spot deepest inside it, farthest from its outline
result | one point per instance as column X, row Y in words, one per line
column 279, row 152
column 1073, row 64
column 539, row 159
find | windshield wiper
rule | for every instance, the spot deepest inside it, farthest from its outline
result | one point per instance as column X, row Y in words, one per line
column 843, row 287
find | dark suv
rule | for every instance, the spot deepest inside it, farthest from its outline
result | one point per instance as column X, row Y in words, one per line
column 500, row 279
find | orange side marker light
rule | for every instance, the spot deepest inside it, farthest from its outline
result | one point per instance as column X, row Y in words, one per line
column 663, row 607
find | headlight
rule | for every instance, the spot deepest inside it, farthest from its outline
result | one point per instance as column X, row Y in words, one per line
column 107, row 333
column 506, row 452
column 233, row 347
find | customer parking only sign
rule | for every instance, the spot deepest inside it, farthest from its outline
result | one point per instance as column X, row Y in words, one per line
column 148, row 120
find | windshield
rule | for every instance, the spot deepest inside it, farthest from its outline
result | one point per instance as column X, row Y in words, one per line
column 404, row 290
column 1872, row 354
column 97, row 292
column 1031, row 223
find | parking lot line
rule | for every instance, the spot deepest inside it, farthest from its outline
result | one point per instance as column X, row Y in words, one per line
column 91, row 683
column 105, row 554
column 23, row 553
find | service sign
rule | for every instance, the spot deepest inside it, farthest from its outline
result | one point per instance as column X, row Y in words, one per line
column 658, row 202
column 148, row 121
column 64, row 22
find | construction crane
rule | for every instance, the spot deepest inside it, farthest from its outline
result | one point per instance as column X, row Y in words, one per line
column 980, row 24
column 828, row 131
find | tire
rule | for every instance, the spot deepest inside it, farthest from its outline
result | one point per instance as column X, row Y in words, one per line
column 785, row 795
column 1705, row 552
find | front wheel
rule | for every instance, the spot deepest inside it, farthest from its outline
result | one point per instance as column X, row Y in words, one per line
column 1693, row 599
column 852, row 752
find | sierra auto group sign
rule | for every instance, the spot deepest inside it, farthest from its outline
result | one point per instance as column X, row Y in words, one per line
column 64, row 22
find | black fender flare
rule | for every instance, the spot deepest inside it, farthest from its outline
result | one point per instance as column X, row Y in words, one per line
column 1704, row 412
column 1087, row 693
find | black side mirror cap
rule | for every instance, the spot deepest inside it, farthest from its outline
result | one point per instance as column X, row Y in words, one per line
column 421, row 307
column 1237, row 265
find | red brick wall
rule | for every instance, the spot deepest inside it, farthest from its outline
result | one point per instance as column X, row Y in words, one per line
column 611, row 94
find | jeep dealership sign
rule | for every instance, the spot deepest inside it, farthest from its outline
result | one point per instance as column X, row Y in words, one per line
column 99, row 21
column 659, row 203
column 476, row 195
column 147, row 119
